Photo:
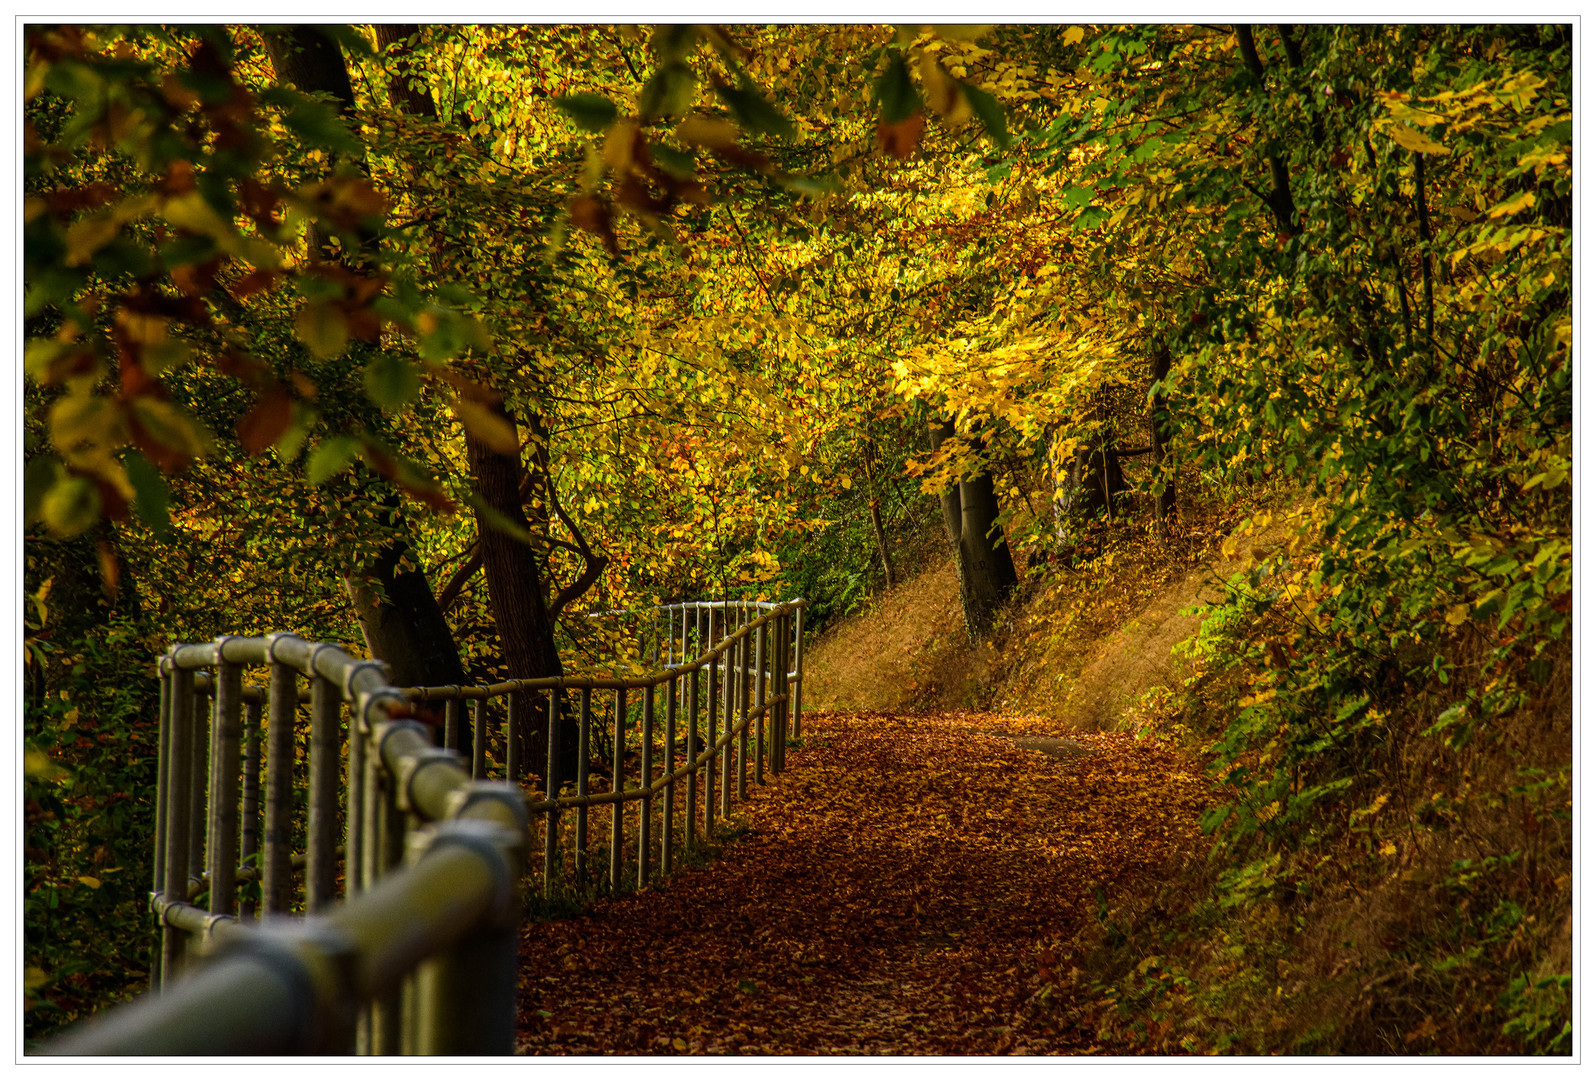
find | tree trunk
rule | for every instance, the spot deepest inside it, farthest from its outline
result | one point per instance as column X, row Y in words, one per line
column 399, row 616
column 1095, row 481
column 875, row 512
column 986, row 570
column 516, row 594
column 522, row 612
column 1164, row 500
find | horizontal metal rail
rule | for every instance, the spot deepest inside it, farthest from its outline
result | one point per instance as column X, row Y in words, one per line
column 732, row 683
column 419, row 957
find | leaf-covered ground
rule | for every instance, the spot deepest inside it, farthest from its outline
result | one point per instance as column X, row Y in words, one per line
column 898, row 892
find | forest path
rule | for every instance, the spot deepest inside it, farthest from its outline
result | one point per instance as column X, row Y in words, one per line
column 899, row 891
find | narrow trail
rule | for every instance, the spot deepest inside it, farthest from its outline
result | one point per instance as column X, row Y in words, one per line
column 897, row 893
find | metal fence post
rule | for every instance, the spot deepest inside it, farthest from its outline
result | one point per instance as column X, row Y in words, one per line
column 690, row 797
column 180, row 782
column 617, row 782
column 163, row 775
column 551, row 817
column 729, row 719
column 668, row 828
column 282, row 705
column 321, row 865
column 711, row 711
column 479, row 739
column 512, row 737
column 249, row 834
column 798, row 673
column 645, row 802
column 584, row 733
column 466, row 996
column 761, row 675
column 742, row 719
column 451, row 721
column 778, row 715
column 198, row 794
column 226, row 744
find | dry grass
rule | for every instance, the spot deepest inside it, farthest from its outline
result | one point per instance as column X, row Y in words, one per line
column 1081, row 644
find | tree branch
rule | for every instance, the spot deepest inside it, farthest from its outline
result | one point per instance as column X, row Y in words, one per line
column 594, row 564
column 449, row 595
column 1424, row 234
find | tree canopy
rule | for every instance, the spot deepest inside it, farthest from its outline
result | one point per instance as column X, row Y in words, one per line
column 671, row 311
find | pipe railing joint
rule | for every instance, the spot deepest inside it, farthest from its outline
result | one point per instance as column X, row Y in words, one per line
column 410, row 766
column 498, row 848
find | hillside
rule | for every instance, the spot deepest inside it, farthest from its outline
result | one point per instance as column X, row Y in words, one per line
column 1434, row 918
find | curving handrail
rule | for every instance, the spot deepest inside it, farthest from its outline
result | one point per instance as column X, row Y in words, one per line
column 420, row 955
column 743, row 685
column 433, row 858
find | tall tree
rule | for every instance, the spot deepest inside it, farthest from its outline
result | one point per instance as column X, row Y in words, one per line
column 511, row 551
column 970, row 515
column 398, row 613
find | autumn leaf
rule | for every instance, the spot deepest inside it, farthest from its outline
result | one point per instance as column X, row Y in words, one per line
column 486, row 425
column 1416, row 141
column 901, row 138
column 266, row 420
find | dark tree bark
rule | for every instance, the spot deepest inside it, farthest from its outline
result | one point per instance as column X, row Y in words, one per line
column 523, row 613
column 1095, row 481
column 515, row 586
column 399, row 617
column 1164, row 501
column 876, row 527
column 986, row 570
column 394, row 39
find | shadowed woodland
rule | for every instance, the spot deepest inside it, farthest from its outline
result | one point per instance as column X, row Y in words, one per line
column 1168, row 427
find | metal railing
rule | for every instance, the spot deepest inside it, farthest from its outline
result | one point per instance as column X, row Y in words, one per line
column 420, row 956
column 730, row 691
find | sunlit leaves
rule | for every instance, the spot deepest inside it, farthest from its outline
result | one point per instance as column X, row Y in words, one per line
column 1417, row 141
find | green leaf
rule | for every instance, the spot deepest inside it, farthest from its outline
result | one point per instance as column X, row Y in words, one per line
column 754, row 113
column 812, row 187
column 392, row 382
column 895, row 92
column 590, row 112
column 319, row 124
column 990, row 113
column 1352, row 706
column 150, row 496
column 71, row 505
column 38, row 478
column 331, row 457
column 323, row 328
column 679, row 163
column 668, row 92
column 673, row 41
